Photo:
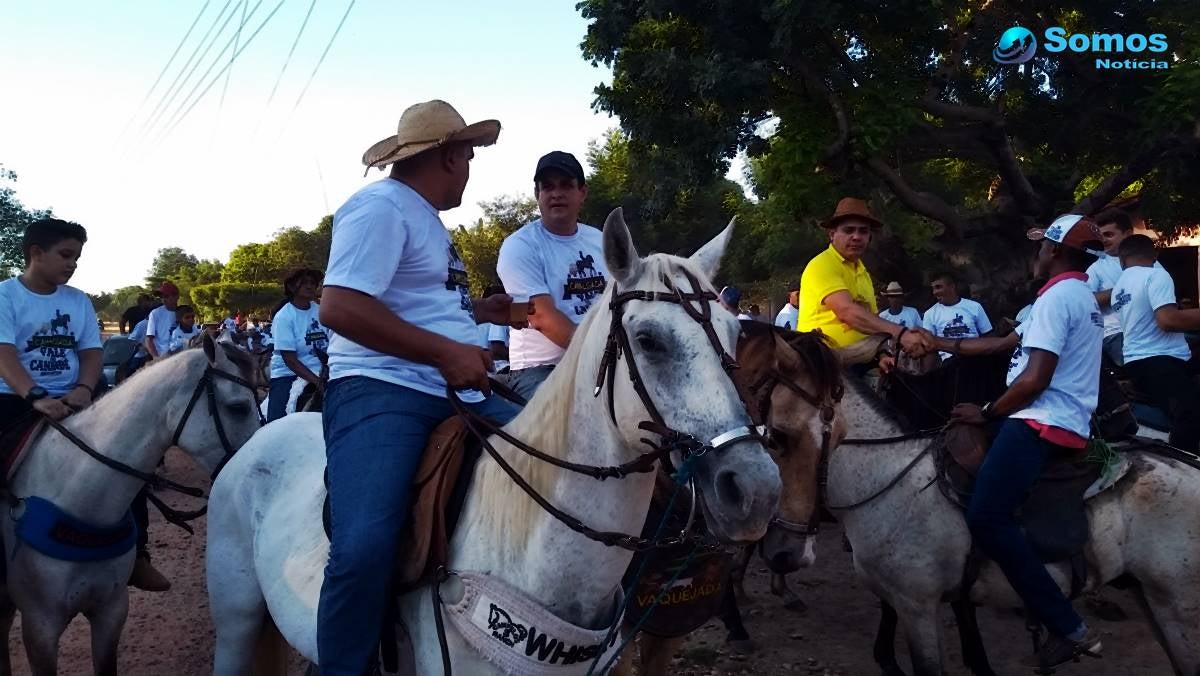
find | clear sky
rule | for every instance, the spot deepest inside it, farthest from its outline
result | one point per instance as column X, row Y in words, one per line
column 74, row 75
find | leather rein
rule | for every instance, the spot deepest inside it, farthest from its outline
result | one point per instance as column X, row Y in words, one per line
column 206, row 385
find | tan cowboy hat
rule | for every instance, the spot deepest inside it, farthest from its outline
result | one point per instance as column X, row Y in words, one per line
column 425, row 126
column 893, row 289
column 848, row 207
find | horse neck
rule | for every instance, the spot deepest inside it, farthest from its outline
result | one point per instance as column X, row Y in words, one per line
column 129, row 424
column 867, row 417
column 507, row 533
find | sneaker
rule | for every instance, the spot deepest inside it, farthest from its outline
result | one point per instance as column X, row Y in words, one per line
column 1058, row 650
column 146, row 577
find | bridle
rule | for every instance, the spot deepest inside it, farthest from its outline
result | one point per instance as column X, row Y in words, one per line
column 763, row 390
column 206, row 385
column 670, row 440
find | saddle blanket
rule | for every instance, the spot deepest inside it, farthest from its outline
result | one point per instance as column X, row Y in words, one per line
column 519, row 636
column 51, row 531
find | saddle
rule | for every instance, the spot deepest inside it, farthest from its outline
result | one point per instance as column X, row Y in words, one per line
column 439, row 490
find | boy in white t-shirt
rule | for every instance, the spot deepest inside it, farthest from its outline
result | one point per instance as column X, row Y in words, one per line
column 1103, row 275
column 1047, row 408
column 185, row 329
column 786, row 319
column 558, row 264
column 162, row 322
column 50, row 352
column 1155, row 351
column 953, row 316
column 897, row 312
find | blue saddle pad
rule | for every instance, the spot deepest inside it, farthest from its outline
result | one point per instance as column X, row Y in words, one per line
column 59, row 535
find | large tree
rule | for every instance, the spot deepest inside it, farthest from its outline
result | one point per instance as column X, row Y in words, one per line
column 904, row 103
column 169, row 264
column 14, row 216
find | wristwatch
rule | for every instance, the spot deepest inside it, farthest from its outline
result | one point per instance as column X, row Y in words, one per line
column 36, row 392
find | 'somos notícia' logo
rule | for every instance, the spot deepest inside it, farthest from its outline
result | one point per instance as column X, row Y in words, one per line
column 1016, row 45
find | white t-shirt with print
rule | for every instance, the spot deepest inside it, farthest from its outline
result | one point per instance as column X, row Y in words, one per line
column 1065, row 320
column 48, row 331
column 159, row 326
column 229, row 325
column 389, row 243
column 180, row 337
column 536, row 262
column 1102, row 276
column 907, row 317
column 786, row 318
column 299, row 331
column 1137, row 294
column 964, row 319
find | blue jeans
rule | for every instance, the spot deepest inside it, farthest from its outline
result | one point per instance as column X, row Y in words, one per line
column 1012, row 466
column 527, row 381
column 375, row 434
column 277, row 397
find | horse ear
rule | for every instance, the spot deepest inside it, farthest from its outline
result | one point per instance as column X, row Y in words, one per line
column 619, row 253
column 708, row 258
column 210, row 348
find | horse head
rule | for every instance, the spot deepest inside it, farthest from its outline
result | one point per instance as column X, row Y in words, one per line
column 792, row 384
column 228, row 378
column 680, row 351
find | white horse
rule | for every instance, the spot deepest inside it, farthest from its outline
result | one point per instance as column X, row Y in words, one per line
column 267, row 549
column 911, row 545
column 134, row 425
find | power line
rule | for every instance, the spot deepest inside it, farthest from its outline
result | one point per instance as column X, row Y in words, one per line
column 236, row 36
column 175, row 123
column 290, row 52
column 163, row 72
column 323, row 54
column 177, row 85
column 213, row 64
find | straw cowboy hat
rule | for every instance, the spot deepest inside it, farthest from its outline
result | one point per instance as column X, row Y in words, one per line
column 893, row 289
column 850, row 207
column 426, row 126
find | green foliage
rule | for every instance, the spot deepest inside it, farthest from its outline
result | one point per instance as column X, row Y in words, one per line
column 14, row 216
column 289, row 249
column 902, row 105
column 119, row 301
column 479, row 245
column 168, row 265
column 214, row 301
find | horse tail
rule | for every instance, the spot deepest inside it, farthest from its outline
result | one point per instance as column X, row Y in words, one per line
column 270, row 651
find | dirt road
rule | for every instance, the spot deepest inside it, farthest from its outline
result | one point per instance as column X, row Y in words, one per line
column 171, row 634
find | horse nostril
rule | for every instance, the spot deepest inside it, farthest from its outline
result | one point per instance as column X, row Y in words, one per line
column 728, row 490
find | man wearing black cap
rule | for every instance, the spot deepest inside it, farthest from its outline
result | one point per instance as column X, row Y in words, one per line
column 558, row 264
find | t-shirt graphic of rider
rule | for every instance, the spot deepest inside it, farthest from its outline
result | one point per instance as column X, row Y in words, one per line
column 584, row 282
column 316, row 337
column 957, row 328
column 456, row 277
column 54, row 339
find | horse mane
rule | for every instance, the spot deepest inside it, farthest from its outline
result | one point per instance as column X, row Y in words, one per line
column 877, row 404
column 545, row 421
column 817, row 357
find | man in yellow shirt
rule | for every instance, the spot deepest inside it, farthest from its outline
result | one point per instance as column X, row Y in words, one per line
column 837, row 297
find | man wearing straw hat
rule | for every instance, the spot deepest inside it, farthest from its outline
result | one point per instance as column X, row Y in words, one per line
column 837, row 297
column 404, row 328
column 897, row 312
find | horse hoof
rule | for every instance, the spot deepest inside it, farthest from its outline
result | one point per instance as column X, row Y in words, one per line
column 741, row 646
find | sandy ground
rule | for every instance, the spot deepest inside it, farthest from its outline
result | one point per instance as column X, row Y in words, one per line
column 171, row 634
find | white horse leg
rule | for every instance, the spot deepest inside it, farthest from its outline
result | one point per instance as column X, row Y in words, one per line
column 41, row 632
column 106, row 625
column 1175, row 616
column 8, row 611
column 238, row 610
column 923, row 628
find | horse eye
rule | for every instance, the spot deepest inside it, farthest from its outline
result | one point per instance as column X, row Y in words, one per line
column 649, row 343
column 238, row 408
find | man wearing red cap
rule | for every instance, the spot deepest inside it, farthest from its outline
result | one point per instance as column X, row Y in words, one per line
column 1054, row 382
column 161, row 322
column 837, row 297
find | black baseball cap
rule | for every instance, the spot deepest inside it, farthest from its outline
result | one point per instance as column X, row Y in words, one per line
column 560, row 161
